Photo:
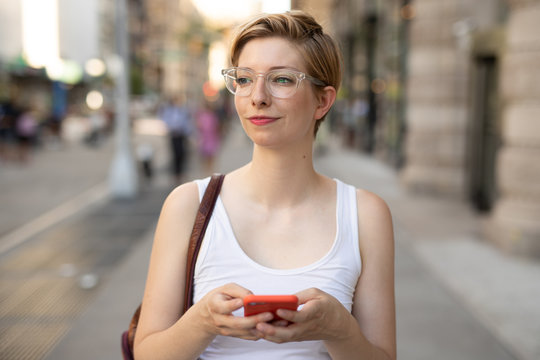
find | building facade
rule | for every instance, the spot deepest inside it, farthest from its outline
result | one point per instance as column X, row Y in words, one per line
column 453, row 98
column 174, row 58
column 45, row 47
column 473, row 109
column 515, row 219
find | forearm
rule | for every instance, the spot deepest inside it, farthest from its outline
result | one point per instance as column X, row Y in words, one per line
column 354, row 345
column 185, row 340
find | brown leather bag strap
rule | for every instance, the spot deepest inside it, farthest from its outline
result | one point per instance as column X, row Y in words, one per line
column 199, row 228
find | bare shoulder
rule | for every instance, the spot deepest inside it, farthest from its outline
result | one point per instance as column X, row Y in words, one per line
column 178, row 213
column 183, row 198
column 374, row 222
column 372, row 205
column 372, row 208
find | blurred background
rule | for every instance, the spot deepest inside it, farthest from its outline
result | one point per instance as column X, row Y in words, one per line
column 106, row 105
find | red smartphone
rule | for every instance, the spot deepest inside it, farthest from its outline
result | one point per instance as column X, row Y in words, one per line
column 256, row 304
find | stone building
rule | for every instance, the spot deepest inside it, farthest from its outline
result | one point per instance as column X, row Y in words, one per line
column 454, row 100
column 515, row 219
column 473, row 108
column 172, row 50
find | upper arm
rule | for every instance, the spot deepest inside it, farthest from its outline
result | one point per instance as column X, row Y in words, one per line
column 163, row 296
column 374, row 304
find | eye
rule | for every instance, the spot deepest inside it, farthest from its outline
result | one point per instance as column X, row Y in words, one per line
column 283, row 79
column 243, row 80
column 243, row 77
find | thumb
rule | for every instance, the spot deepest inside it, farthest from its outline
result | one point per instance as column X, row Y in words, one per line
column 306, row 295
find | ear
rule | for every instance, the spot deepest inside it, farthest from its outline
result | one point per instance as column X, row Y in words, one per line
column 326, row 99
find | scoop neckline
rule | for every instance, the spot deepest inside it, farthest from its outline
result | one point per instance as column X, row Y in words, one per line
column 290, row 271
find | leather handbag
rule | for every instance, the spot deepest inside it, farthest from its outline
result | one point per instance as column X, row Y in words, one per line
column 199, row 228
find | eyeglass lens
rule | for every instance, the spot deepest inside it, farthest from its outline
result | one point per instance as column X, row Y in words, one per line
column 280, row 83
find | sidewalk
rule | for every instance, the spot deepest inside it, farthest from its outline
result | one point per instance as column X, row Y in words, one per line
column 457, row 297
column 490, row 290
column 52, row 177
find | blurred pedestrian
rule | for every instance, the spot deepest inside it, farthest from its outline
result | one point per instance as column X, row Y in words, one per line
column 8, row 134
column 180, row 127
column 208, row 141
column 54, row 124
column 279, row 226
column 26, row 126
column 57, row 113
column 145, row 157
column 96, row 126
column 354, row 111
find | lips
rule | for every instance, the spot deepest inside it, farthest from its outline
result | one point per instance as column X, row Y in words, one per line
column 261, row 120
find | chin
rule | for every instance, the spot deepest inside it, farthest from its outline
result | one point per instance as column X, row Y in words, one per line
column 265, row 141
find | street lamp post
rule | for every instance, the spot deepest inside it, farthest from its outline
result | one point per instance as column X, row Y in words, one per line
column 123, row 175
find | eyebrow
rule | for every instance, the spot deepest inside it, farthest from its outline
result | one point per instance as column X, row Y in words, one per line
column 277, row 67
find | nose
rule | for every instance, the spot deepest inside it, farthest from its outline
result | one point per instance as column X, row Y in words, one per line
column 260, row 94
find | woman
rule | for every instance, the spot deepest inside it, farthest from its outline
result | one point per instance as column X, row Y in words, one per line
column 279, row 227
column 207, row 123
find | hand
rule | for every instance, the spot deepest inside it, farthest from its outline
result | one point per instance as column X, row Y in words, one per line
column 322, row 317
column 215, row 310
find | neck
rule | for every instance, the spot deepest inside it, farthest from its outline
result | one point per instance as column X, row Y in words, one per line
column 280, row 177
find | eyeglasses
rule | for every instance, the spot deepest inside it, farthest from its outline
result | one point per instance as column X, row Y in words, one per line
column 280, row 83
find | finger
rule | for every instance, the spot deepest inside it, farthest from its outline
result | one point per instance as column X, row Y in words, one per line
column 307, row 294
column 280, row 323
column 260, row 318
column 275, row 333
column 236, row 291
column 232, row 305
column 291, row 316
column 252, row 337
column 247, row 334
column 243, row 327
column 223, row 304
column 229, row 298
column 243, row 323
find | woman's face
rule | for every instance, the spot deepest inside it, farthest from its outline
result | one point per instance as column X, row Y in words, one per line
column 271, row 121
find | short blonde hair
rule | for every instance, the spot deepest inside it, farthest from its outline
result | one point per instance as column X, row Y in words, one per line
column 319, row 50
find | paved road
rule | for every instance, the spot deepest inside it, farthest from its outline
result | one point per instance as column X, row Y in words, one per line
column 61, row 237
column 50, row 302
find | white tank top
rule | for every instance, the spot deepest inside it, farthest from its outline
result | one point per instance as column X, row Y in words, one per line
column 221, row 260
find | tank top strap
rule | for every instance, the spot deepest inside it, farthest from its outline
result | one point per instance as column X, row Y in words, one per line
column 202, row 184
column 347, row 214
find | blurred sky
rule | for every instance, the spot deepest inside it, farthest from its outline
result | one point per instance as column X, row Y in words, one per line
column 231, row 11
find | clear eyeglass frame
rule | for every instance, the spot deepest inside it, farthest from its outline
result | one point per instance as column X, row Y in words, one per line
column 273, row 80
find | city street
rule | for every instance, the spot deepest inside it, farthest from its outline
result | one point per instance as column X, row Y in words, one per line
column 435, row 110
column 73, row 260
